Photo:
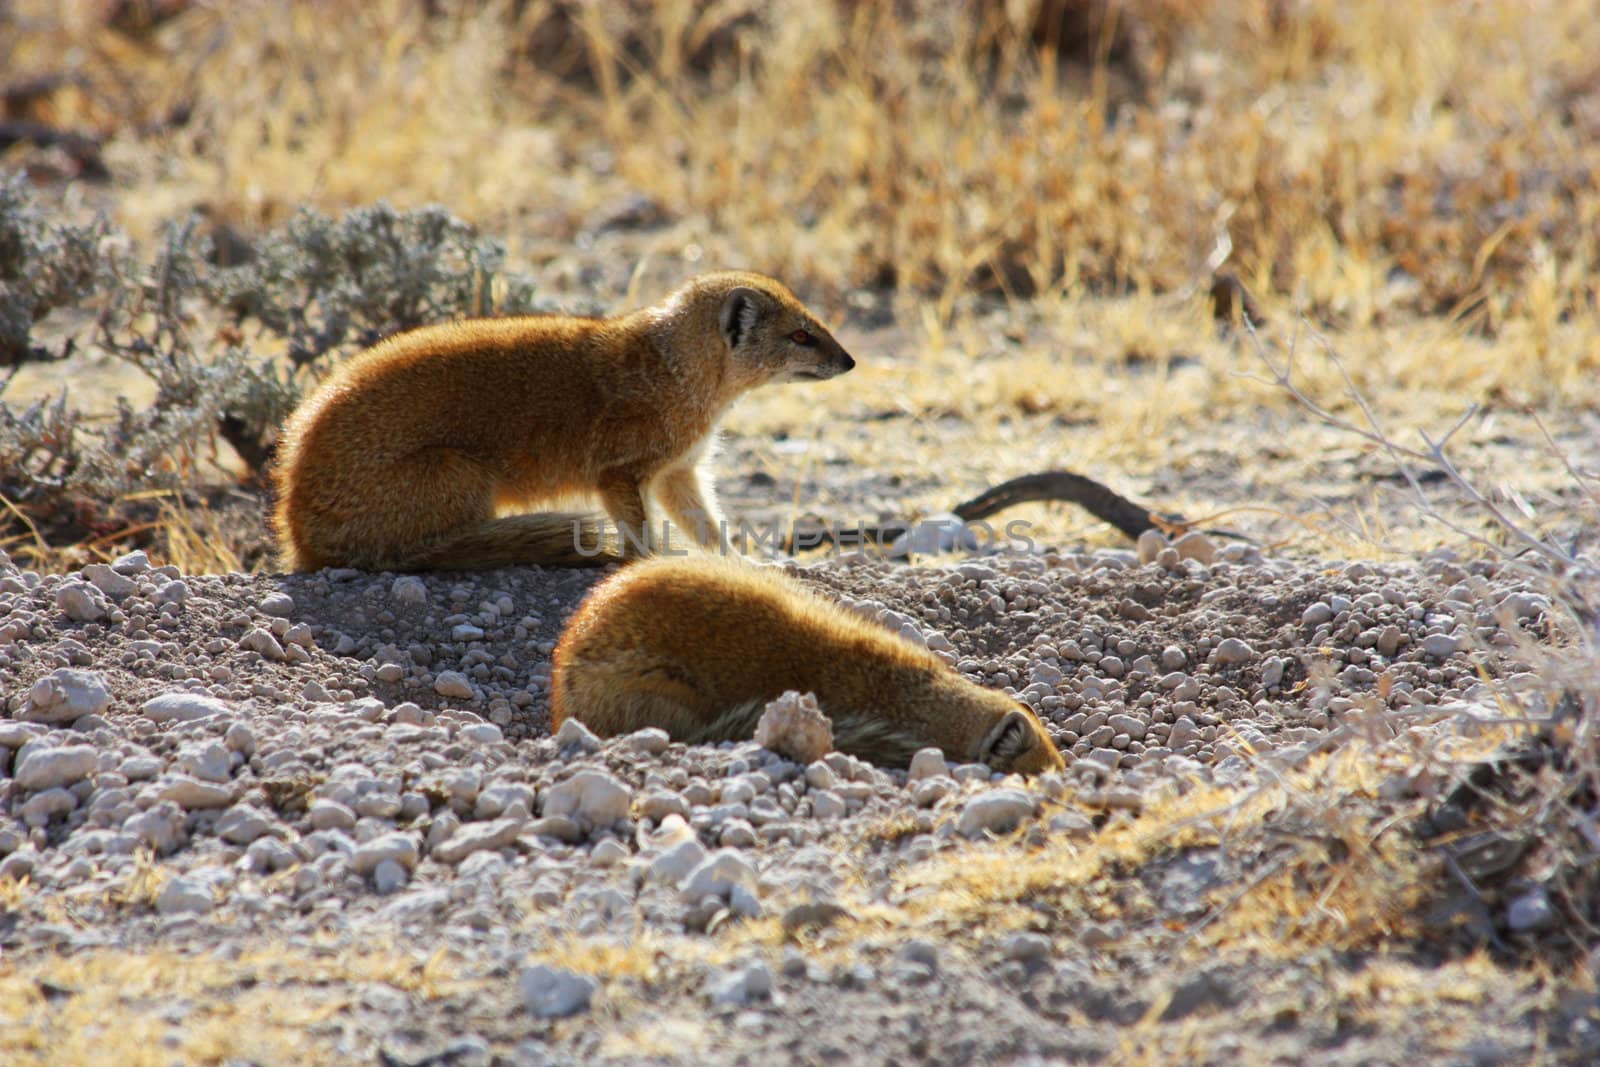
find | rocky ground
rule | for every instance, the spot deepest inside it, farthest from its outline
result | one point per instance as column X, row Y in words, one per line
column 248, row 819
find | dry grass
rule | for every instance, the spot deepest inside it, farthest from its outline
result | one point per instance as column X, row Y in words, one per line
column 1414, row 178
column 270, row 1004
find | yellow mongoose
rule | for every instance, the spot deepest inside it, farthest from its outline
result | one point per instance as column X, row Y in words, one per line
column 408, row 455
column 697, row 646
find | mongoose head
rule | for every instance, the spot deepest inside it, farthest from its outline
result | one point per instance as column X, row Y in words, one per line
column 1019, row 744
column 770, row 334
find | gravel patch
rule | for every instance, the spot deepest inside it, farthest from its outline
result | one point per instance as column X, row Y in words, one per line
column 204, row 762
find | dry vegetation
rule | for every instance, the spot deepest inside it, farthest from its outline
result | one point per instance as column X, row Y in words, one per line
column 1043, row 193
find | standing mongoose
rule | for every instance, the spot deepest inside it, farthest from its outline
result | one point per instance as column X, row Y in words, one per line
column 426, row 450
column 698, row 646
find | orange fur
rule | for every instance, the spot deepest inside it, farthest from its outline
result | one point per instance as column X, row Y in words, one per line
column 428, row 449
column 696, row 646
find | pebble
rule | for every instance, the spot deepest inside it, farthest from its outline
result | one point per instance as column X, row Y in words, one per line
column 1150, row 544
column 1231, row 651
column 408, row 589
column 50, row 768
column 1439, row 646
column 183, row 707
column 998, row 811
column 592, row 799
column 210, row 761
column 555, row 992
column 574, row 735
column 401, row 847
column 81, row 601
column 242, row 824
column 741, row 985
column 452, row 684
column 675, row 865
column 264, row 643
column 926, row 763
column 718, row 875
column 1530, row 912
column 795, row 728
column 186, row 894
column 500, row 833
column 193, row 794
column 65, row 695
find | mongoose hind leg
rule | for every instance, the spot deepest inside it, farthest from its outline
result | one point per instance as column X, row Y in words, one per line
column 339, row 525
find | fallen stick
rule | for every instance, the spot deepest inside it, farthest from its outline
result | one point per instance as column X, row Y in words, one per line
column 1103, row 503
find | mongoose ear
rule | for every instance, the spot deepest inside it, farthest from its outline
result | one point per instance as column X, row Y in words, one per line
column 1007, row 741
column 741, row 309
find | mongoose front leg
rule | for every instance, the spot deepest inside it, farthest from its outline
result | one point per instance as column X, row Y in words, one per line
column 691, row 504
column 622, row 497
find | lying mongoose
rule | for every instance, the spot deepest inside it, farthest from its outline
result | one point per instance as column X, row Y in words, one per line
column 697, row 646
column 426, row 450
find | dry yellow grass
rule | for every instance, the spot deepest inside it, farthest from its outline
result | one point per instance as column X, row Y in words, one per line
column 1414, row 179
column 268, row 1004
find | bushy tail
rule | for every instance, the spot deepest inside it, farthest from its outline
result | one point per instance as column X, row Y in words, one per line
column 546, row 539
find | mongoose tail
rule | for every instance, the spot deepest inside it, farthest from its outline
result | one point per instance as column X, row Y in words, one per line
column 549, row 539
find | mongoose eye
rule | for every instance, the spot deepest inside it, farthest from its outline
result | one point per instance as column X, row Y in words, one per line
column 802, row 337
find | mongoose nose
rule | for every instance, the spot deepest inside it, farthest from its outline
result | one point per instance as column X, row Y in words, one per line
column 846, row 362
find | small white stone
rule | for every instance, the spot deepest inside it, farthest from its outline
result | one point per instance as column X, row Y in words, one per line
column 483, row 733
column 184, row 707
column 828, row 805
column 608, row 853
column 193, row 794
column 48, row 804
column 590, row 798
column 279, row 605
column 651, row 741
column 65, row 695
column 998, row 811
column 408, row 589
column 161, row 827
column 795, row 728
column 943, row 531
column 677, row 862
column 1440, row 646
column 820, row 776
column 240, row 738
column 108, row 581
column 186, row 894
column 555, row 992
column 81, row 601
column 389, row 877
column 49, row 768
column 242, row 824
column 452, row 684
column 926, row 763
column 1150, row 544
column 403, row 848
column 261, row 641
column 326, row 814
column 717, row 875
column 1197, row 546
column 209, row 760
column 501, row 833
column 135, row 562
column 1232, row 651
column 574, row 734
column 741, row 985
